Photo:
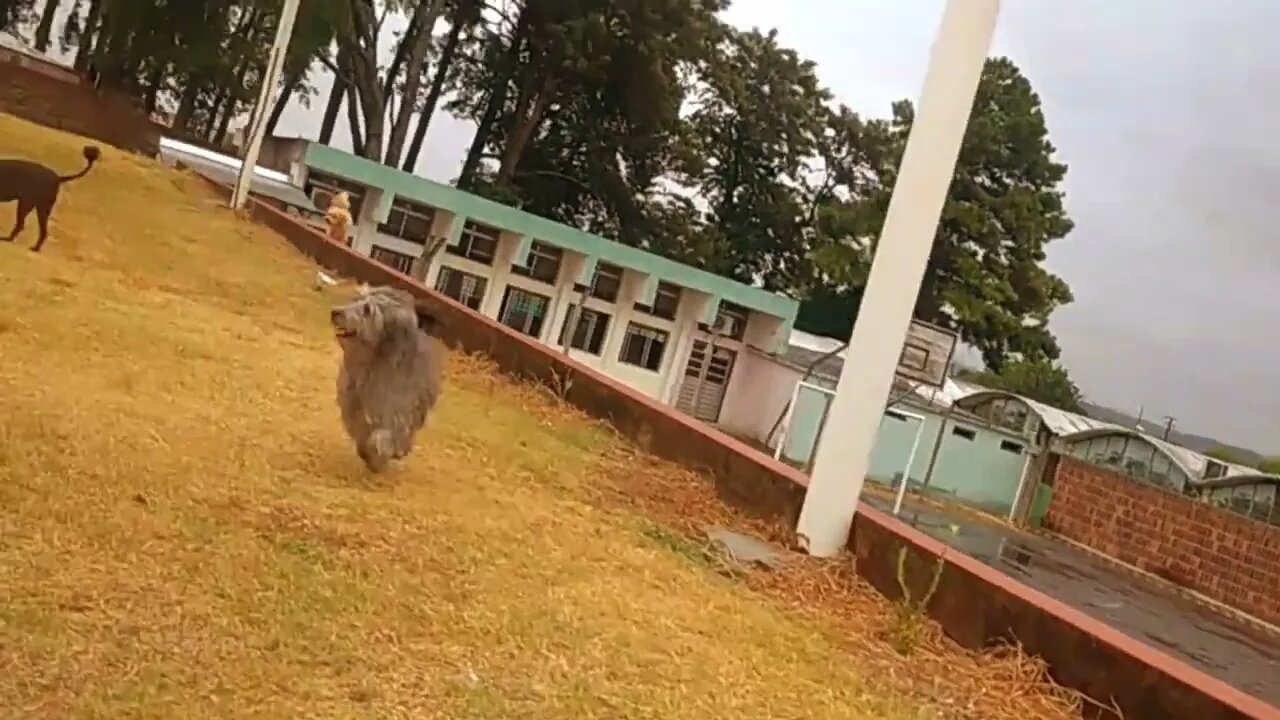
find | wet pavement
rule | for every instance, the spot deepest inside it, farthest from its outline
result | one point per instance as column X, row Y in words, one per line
column 1232, row 651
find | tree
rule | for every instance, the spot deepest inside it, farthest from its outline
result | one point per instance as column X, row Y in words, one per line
column 1270, row 465
column 464, row 16
column 984, row 277
column 1042, row 380
column 197, row 61
column 758, row 118
column 45, row 29
column 594, row 157
column 414, row 50
column 846, row 206
column 15, row 13
column 1230, row 455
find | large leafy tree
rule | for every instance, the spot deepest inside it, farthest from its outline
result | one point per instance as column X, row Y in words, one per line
column 199, row 62
column 1038, row 379
column 14, row 13
column 1004, row 207
column 578, row 111
column 758, row 120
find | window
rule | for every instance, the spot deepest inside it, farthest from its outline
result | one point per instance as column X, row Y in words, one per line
column 524, row 311
column 408, row 221
column 1242, row 499
column 731, row 319
column 464, row 287
column 588, row 335
column 1214, row 469
column 1011, row 446
column 321, row 188
column 665, row 303
column 607, row 282
column 477, row 243
column 1007, row 413
column 1264, row 502
column 542, row 265
column 392, row 259
column 964, row 432
column 643, row 347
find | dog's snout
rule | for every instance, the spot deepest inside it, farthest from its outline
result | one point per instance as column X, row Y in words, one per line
column 335, row 315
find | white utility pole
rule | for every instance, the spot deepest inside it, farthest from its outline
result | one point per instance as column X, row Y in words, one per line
column 266, row 96
column 924, row 177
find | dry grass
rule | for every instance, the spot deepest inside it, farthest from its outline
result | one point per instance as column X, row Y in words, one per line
column 185, row 533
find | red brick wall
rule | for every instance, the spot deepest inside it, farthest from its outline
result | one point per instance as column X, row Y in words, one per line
column 976, row 604
column 54, row 96
column 1217, row 553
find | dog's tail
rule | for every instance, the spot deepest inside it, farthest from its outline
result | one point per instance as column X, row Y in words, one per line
column 91, row 155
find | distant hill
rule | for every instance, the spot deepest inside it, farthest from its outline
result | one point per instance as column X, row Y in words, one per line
column 1199, row 443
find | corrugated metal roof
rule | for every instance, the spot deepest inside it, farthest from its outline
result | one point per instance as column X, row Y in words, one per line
column 225, row 169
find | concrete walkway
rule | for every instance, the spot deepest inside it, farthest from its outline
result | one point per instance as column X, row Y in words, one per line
column 1235, row 652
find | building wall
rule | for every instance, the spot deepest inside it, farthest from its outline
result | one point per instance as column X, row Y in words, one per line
column 658, row 384
column 979, row 466
column 1219, row 554
column 51, row 95
column 758, row 394
column 976, row 465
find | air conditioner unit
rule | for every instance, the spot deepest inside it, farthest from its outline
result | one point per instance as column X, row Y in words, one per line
column 723, row 325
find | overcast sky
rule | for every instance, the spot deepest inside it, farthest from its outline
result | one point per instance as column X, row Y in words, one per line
column 1164, row 112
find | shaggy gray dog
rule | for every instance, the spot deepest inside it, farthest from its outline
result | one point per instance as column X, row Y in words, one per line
column 391, row 373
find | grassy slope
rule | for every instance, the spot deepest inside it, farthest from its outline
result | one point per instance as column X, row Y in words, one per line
column 185, row 533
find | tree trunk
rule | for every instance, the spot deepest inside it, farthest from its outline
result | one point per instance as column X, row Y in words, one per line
column 220, row 114
column 90, row 31
column 337, row 94
column 368, row 85
column 187, row 105
column 353, row 120
column 424, row 22
column 45, row 28
column 155, row 81
column 286, row 94
column 433, row 94
column 528, row 115
column 497, row 99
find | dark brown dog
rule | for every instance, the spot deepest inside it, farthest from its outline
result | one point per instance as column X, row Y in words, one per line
column 35, row 187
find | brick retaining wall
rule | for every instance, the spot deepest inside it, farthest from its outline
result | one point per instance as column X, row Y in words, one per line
column 55, row 96
column 975, row 604
column 1220, row 554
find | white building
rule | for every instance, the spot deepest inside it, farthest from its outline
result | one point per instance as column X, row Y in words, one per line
column 642, row 319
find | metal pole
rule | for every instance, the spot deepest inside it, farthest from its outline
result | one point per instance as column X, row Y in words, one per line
column 786, row 421
column 937, row 447
column 266, row 95
column 911, row 458
column 897, row 271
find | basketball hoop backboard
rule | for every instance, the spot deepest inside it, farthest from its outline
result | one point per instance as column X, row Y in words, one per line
column 926, row 354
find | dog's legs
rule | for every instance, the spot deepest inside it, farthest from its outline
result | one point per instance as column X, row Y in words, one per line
column 377, row 451
column 24, row 209
column 42, row 218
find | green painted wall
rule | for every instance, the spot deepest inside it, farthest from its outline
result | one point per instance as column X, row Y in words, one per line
column 806, row 423
column 396, row 182
column 1040, row 505
column 978, row 471
column 893, row 445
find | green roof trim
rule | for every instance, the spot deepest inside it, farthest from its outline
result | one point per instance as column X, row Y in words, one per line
column 395, row 182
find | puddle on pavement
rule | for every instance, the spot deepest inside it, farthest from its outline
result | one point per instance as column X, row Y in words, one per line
column 1233, row 651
